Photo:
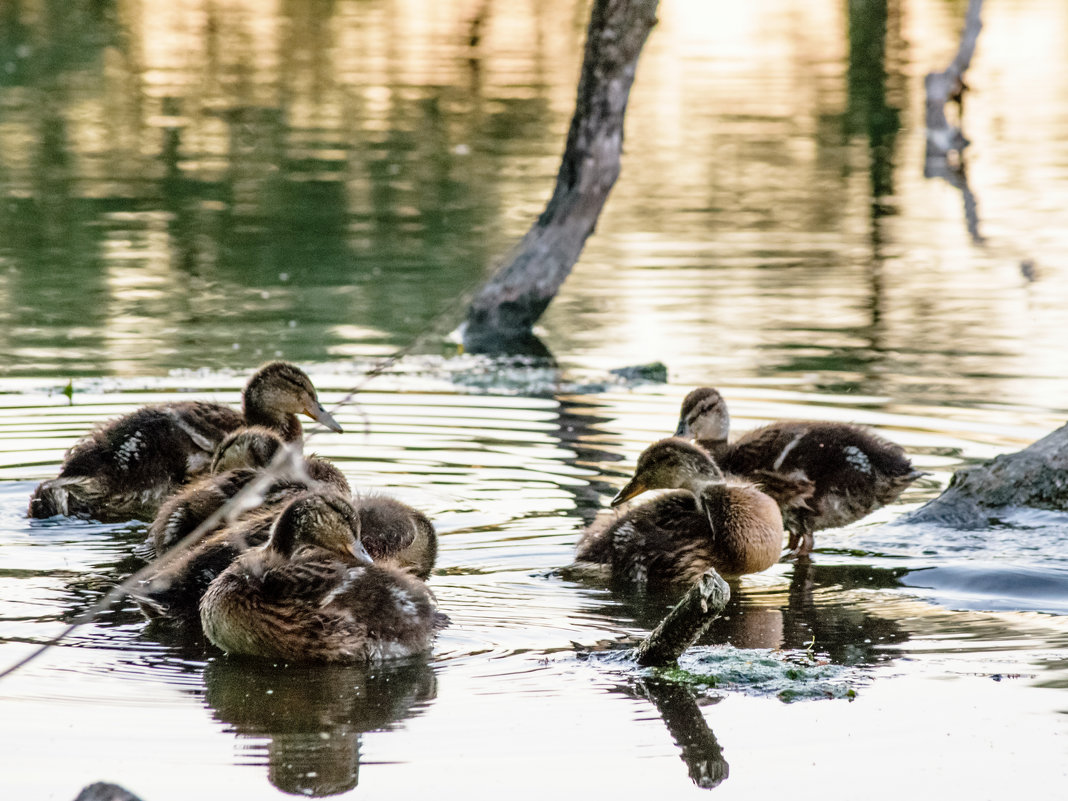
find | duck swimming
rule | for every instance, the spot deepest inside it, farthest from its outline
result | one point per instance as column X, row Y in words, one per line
column 853, row 470
column 238, row 459
column 311, row 593
column 127, row 467
column 394, row 534
column 710, row 521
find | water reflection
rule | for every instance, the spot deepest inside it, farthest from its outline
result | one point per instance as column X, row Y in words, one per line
column 818, row 610
column 312, row 717
column 209, row 185
column 678, row 708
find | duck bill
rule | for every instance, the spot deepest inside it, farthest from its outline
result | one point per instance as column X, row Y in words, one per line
column 316, row 412
column 682, row 430
column 357, row 550
column 633, row 487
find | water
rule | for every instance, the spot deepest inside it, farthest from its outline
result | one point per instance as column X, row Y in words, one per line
column 189, row 189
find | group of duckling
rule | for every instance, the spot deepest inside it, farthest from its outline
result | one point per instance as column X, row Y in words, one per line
column 306, row 571
column 302, row 570
column 733, row 502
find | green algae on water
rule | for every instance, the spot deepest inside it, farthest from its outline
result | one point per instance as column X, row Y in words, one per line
column 786, row 675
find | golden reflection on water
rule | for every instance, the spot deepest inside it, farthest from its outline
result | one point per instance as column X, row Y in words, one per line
column 192, row 183
column 220, row 182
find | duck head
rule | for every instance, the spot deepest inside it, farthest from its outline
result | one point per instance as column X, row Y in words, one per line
column 704, row 416
column 279, row 391
column 671, row 463
column 322, row 520
column 255, row 447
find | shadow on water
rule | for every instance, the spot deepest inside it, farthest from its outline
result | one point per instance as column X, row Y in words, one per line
column 312, row 717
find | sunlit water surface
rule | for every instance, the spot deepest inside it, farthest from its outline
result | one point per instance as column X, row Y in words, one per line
column 191, row 188
column 958, row 640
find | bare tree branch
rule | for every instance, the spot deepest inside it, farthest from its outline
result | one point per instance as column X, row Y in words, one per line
column 690, row 618
column 503, row 313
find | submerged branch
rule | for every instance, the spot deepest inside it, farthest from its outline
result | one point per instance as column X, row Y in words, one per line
column 690, row 618
column 697, row 743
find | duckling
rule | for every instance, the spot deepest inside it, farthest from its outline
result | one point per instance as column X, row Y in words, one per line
column 311, row 593
column 395, row 535
column 853, row 470
column 709, row 521
column 239, row 458
column 174, row 590
column 127, row 467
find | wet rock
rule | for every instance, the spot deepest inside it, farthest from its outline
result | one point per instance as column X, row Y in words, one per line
column 976, row 496
column 104, row 791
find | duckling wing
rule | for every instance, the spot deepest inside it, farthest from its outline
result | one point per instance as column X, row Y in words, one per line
column 665, row 540
column 206, row 424
column 182, row 513
column 772, row 447
column 315, row 581
column 152, row 445
column 788, row 491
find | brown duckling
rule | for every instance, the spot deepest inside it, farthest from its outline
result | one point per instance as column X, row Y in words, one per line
column 127, row 467
column 853, row 470
column 397, row 534
column 311, row 593
column 239, row 458
column 394, row 534
column 711, row 521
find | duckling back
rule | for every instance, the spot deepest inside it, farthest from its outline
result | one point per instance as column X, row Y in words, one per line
column 853, row 470
column 396, row 534
column 673, row 539
column 181, row 514
column 316, row 607
column 174, row 590
column 127, row 467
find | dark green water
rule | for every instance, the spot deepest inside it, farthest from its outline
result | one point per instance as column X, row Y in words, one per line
column 188, row 189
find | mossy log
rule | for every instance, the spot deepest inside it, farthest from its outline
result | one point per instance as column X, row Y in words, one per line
column 690, row 618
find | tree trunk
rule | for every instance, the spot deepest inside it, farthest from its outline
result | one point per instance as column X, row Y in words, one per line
column 501, row 316
column 690, row 618
column 1037, row 476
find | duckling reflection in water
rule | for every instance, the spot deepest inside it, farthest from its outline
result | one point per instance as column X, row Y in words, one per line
column 853, row 471
column 312, row 593
column 127, row 467
column 710, row 521
column 313, row 716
